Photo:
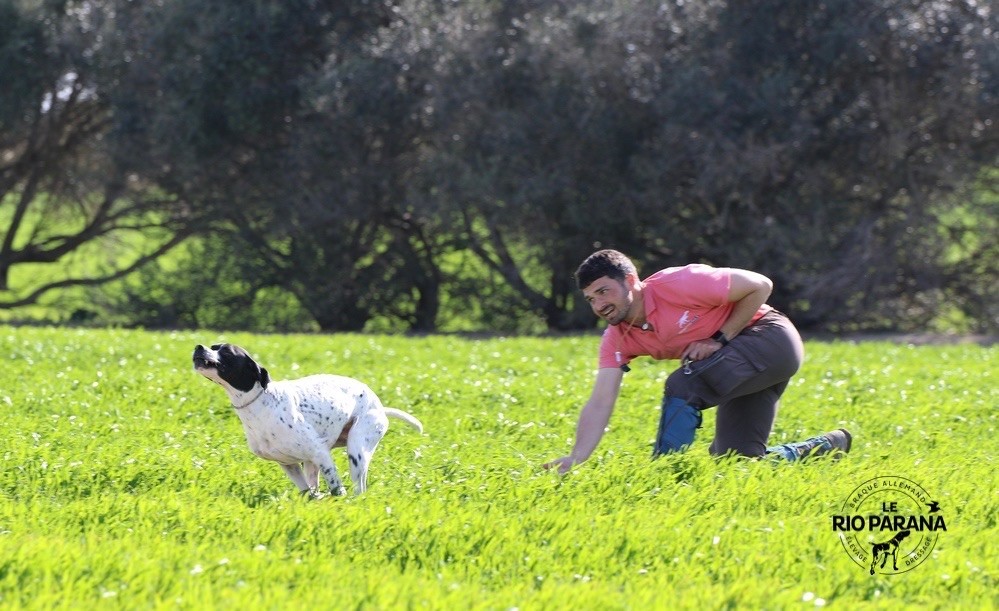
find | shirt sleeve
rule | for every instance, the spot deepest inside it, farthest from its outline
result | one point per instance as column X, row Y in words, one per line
column 700, row 285
column 610, row 350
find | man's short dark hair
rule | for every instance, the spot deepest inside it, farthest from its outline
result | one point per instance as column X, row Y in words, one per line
column 610, row 263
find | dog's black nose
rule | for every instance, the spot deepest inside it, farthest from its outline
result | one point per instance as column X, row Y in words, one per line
column 200, row 354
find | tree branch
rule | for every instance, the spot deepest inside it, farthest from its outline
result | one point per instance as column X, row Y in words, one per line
column 36, row 294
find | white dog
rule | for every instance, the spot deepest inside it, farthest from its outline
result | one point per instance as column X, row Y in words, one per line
column 297, row 422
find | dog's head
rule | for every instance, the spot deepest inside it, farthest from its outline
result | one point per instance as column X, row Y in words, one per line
column 230, row 366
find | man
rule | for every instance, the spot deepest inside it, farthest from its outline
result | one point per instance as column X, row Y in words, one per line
column 737, row 353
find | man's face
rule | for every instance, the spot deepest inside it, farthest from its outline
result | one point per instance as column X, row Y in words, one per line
column 610, row 299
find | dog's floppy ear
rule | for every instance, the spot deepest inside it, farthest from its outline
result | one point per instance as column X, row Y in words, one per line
column 265, row 379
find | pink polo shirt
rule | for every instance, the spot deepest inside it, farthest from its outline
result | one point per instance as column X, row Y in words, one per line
column 682, row 304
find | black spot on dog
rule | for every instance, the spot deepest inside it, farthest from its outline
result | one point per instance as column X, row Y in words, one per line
column 353, row 460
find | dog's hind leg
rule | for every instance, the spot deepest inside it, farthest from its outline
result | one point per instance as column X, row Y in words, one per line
column 359, row 458
column 361, row 443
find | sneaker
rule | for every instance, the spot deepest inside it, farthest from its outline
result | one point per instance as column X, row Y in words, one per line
column 834, row 443
column 840, row 440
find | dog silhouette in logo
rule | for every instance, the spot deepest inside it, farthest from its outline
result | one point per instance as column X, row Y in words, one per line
column 889, row 547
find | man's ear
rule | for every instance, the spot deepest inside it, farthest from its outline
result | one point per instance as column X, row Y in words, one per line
column 631, row 280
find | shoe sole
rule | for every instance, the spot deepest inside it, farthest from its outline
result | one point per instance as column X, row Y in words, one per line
column 849, row 440
column 838, row 453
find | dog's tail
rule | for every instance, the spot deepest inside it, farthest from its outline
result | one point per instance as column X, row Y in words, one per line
column 409, row 419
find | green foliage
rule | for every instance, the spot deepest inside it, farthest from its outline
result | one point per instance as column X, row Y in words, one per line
column 126, row 482
column 21, row 50
column 349, row 153
column 204, row 284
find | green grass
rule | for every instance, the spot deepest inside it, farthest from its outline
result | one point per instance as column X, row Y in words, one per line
column 126, row 482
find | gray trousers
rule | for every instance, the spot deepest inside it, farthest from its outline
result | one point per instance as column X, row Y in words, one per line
column 745, row 379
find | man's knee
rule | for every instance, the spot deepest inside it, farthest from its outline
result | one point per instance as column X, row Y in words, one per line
column 749, row 449
column 678, row 385
column 678, row 424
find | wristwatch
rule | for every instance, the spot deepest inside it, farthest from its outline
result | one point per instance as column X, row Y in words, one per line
column 720, row 338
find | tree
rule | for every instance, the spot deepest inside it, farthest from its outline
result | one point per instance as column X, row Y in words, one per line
column 358, row 155
column 289, row 123
column 820, row 142
column 537, row 129
column 61, row 192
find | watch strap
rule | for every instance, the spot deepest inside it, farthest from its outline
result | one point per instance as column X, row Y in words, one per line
column 720, row 338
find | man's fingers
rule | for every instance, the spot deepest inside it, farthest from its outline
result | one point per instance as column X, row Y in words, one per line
column 563, row 464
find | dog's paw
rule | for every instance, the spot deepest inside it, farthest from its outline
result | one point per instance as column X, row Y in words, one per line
column 339, row 491
column 312, row 495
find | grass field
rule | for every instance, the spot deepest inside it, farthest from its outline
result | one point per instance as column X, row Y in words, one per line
column 126, row 482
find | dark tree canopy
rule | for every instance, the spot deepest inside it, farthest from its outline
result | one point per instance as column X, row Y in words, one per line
column 413, row 160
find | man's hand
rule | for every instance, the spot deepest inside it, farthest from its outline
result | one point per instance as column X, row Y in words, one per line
column 564, row 464
column 700, row 349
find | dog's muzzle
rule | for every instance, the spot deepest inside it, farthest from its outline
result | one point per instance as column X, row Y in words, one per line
column 203, row 358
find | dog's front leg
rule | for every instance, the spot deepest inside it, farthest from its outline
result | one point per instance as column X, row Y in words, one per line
column 311, row 470
column 294, row 472
column 326, row 466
